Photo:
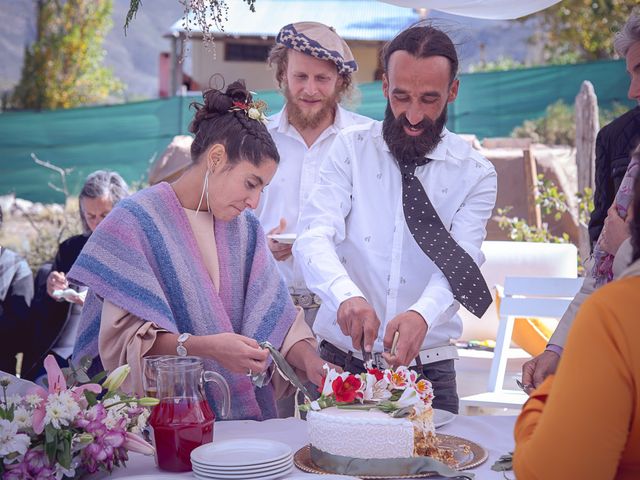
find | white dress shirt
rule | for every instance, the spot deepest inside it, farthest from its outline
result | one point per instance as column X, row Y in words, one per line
column 296, row 174
column 353, row 239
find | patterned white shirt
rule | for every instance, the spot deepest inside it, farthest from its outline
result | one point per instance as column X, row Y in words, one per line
column 296, row 175
column 353, row 239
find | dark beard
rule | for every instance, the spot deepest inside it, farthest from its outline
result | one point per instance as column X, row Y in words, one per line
column 406, row 148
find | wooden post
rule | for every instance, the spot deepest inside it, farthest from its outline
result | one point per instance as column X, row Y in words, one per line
column 534, row 216
column 587, row 126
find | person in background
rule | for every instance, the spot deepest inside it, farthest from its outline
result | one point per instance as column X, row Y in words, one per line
column 55, row 320
column 184, row 268
column 390, row 236
column 608, row 225
column 16, row 292
column 583, row 422
column 314, row 69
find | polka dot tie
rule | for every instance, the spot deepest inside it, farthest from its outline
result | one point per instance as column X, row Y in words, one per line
column 467, row 283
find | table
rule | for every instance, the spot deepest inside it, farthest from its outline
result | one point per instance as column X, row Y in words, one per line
column 494, row 433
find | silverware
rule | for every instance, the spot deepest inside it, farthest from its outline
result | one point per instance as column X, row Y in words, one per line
column 523, row 387
column 394, row 343
column 366, row 356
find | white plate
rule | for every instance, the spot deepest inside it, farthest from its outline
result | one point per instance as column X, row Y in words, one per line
column 442, row 417
column 288, row 238
column 253, row 469
column 234, row 468
column 240, row 453
column 69, row 294
column 247, row 477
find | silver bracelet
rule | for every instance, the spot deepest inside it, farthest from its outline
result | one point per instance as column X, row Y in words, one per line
column 181, row 349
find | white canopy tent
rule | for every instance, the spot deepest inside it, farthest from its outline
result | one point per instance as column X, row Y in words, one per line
column 487, row 9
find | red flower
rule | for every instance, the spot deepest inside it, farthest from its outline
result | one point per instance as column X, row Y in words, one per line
column 376, row 372
column 346, row 390
column 241, row 105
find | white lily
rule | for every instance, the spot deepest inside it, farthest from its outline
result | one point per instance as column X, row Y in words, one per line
column 331, row 375
column 116, row 378
column 408, row 398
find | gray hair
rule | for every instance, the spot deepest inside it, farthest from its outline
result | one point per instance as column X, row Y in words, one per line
column 628, row 34
column 102, row 184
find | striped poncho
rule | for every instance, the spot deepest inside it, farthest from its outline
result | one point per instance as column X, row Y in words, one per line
column 145, row 259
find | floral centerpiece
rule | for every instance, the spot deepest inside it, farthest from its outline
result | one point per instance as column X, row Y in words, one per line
column 71, row 428
column 399, row 392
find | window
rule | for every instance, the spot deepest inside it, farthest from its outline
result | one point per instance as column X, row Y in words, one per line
column 246, row 52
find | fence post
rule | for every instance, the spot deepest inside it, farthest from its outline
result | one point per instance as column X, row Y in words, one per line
column 587, row 126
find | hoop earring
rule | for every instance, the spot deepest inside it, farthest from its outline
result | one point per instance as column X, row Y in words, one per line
column 205, row 188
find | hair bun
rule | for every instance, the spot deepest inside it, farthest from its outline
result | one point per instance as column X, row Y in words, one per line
column 238, row 92
column 217, row 102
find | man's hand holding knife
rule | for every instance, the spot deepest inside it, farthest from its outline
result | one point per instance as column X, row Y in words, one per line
column 358, row 320
column 411, row 329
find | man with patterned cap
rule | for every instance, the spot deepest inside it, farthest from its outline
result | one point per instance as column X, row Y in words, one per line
column 390, row 237
column 313, row 67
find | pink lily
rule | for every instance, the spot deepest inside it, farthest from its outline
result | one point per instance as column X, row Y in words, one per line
column 135, row 443
column 57, row 384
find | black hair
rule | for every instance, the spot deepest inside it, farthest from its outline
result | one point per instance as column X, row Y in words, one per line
column 423, row 41
column 216, row 121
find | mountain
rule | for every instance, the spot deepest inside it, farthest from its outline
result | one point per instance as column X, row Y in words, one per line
column 134, row 56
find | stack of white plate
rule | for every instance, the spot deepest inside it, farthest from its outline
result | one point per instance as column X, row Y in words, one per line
column 242, row 459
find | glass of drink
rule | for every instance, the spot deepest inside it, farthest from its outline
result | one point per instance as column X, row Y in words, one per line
column 183, row 420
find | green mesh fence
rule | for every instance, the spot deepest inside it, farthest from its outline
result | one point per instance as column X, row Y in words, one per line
column 127, row 137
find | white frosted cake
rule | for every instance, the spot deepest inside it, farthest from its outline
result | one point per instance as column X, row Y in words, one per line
column 354, row 415
column 369, row 433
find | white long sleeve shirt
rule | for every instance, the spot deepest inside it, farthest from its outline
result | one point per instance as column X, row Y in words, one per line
column 353, row 239
column 296, row 175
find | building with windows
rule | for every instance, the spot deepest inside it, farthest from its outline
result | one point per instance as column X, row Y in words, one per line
column 241, row 50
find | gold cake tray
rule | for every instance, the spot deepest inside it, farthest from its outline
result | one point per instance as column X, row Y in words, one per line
column 468, row 453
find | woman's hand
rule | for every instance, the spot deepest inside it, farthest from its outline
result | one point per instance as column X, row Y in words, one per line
column 56, row 281
column 314, row 368
column 236, row 353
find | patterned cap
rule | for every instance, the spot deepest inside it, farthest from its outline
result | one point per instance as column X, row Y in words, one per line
column 320, row 41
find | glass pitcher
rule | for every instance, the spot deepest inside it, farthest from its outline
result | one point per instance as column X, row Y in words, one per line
column 183, row 420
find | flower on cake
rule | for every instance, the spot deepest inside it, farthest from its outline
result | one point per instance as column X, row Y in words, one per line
column 393, row 391
column 347, row 389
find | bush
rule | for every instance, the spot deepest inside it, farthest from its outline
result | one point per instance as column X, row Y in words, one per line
column 558, row 126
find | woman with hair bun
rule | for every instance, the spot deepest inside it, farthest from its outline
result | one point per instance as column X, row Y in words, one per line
column 191, row 258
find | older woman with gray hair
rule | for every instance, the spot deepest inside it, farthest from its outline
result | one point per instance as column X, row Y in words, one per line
column 56, row 308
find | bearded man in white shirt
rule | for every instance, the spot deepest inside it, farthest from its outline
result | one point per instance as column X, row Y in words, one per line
column 314, row 68
column 382, row 256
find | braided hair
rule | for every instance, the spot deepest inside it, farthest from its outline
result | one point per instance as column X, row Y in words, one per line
column 216, row 122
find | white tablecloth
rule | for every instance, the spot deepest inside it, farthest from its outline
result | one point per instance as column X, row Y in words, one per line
column 494, row 433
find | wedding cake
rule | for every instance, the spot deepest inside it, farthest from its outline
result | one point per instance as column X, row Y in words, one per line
column 377, row 414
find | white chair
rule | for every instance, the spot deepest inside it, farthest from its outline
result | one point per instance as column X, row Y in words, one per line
column 547, row 297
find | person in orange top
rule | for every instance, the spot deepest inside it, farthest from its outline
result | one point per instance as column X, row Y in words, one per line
column 584, row 422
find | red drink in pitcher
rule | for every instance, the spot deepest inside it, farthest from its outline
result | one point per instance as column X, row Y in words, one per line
column 180, row 425
column 183, row 420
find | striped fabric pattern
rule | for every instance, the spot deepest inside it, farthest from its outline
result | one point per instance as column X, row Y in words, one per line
column 144, row 258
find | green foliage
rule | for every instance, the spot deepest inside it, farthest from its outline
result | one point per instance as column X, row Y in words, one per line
column 501, row 64
column 558, row 125
column 583, row 28
column 63, row 67
column 204, row 12
column 553, row 203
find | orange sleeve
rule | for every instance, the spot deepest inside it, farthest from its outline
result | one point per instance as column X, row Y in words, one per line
column 576, row 425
